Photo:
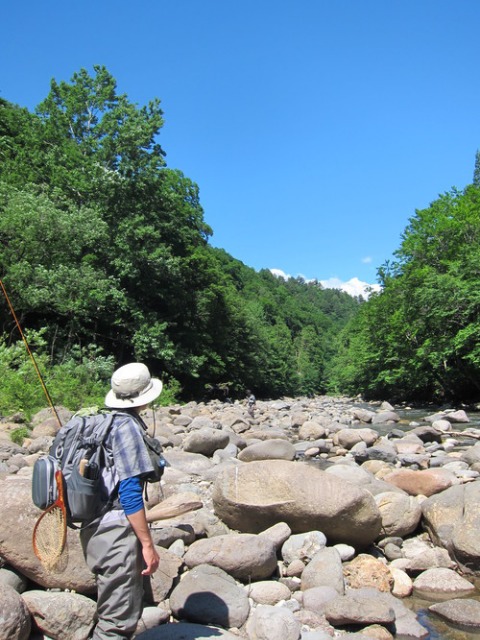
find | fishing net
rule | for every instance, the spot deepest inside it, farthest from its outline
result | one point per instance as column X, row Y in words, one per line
column 50, row 531
column 49, row 536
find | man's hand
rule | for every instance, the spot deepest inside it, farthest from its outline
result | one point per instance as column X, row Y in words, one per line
column 151, row 560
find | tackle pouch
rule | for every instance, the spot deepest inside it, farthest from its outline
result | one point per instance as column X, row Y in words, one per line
column 44, row 486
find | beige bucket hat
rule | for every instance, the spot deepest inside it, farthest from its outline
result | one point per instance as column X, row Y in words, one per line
column 132, row 386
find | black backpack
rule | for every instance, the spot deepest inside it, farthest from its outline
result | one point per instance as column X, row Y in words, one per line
column 79, row 452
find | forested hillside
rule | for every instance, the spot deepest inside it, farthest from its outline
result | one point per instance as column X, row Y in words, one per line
column 420, row 338
column 105, row 254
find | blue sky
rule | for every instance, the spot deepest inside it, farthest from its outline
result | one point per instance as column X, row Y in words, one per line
column 313, row 128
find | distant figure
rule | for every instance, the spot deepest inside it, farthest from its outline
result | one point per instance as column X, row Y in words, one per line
column 251, row 402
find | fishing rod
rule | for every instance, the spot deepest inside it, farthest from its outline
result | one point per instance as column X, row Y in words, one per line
column 40, row 377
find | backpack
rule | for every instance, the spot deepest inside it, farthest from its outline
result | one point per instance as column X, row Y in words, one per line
column 78, row 451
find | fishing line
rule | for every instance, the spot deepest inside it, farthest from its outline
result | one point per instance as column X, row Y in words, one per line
column 40, row 377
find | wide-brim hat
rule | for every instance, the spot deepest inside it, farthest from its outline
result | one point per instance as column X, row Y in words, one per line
column 132, row 386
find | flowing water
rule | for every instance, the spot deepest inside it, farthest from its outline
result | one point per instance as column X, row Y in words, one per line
column 409, row 418
column 437, row 628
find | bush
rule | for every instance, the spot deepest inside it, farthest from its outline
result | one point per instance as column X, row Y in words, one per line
column 81, row 380
column 18, row 435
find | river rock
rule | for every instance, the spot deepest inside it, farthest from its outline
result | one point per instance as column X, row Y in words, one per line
column 267, row 622
column 441, row 583
column 13, row 578
column 190, row 463
column 359, row 607
column 453, row 520
column 16, row 542
column 366, row 571
column 15, row 620
column 256, row 495
column 402, row 583
column 243, row 556
column 267, row 592
column 364, row 415
column 162, row 580
column 464, row 613
column 274, row 449
column 425, row 482
column 317, row 598
column 61, row 614
column 400, row 513
column 324, row 569
column 205, row 441
column 347, row 438
column 208, row 595
column 277, row 534
column 383, row 417
column 303, row 546
column 152, row 617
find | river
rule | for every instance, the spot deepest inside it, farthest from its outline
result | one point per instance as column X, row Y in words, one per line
column 436, row 627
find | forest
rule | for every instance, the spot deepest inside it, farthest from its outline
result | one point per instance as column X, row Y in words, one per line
column 105, row 255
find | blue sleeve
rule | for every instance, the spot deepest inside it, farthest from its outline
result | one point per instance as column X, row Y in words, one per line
column 130, row 494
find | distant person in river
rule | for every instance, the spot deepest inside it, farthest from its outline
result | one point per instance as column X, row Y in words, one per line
column 251, row 403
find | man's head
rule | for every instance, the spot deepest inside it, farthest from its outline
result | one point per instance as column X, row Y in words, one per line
column 132, row 386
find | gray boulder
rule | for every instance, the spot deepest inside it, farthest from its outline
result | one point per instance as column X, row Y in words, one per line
column 205, row 441
column 61, row 614
column 254, row 496
column 16, row 542
column 208, row 595
column 15, row 620
column 324, row 570
column 464, row 613
column 358, row 607
column 401, row 514
column 267, row 622
column 452, row 519
column 274, row 449
column 441, row 584
column 243, row 556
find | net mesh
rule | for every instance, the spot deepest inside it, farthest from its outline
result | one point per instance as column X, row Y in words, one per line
column 49, row 537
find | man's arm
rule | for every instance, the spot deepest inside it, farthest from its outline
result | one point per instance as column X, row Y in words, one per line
column 140, row 526
column 130, row 494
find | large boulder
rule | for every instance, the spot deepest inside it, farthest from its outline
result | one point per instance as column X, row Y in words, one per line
column 452, row 519
column 18, row 515
column 61, row 615
column 254, row 496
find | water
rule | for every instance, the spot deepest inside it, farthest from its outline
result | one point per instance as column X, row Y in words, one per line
column 438, row 629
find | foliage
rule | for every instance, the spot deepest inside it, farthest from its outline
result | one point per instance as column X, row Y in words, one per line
column 419, row 338
column 104, row 252
column 18, row 435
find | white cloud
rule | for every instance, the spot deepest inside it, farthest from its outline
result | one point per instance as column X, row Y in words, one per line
column 280, row 274
column 367, row 260
column 353, row 287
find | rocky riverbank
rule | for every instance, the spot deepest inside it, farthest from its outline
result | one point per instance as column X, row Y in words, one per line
column 321, row 518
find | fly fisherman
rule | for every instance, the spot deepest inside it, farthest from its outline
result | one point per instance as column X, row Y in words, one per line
column 118, row 546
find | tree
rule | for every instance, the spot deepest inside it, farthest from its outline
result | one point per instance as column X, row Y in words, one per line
column 476, row 172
